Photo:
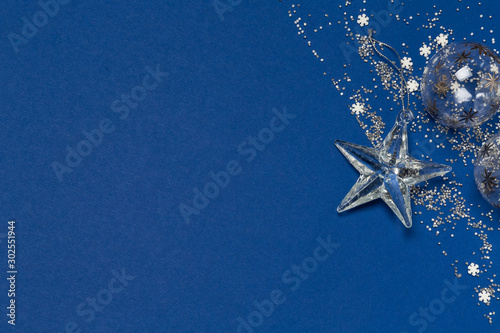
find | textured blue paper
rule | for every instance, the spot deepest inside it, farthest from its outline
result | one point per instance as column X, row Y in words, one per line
column 117, row 212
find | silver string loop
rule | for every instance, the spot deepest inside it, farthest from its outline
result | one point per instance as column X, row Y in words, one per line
column 404, row 84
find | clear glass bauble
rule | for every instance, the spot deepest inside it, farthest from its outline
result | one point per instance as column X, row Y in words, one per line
column 461, row 86
column 487, row 171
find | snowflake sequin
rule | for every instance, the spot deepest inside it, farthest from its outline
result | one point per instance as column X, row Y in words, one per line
column 484, row 296
column 406, row 63
column 425, row 50
column 494, row 68
column 413, row 85
column 473, row 269
column 363, row 20
column 442, row 39
column 357, row 108
column 455, row 86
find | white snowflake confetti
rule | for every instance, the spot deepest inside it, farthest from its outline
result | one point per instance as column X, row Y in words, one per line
column 406, row 63
column 473, row 269
column 484, row 296
column 442, row 39
column 494, row 68
column 363, row 20
column 357, row 108
column 425, row 51
column 455, row 86
column 413, row 85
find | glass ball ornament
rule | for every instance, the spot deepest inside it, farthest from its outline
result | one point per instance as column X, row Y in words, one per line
column 461, row 86
column 487, row 171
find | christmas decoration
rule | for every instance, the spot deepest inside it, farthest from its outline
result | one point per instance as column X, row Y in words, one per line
column 460, row 85
column 387, row 172
column 487, row 171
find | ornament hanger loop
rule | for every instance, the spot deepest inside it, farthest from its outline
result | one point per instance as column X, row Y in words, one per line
column 404, row 84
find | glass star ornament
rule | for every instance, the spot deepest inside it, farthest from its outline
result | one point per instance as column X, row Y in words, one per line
column 387, row 171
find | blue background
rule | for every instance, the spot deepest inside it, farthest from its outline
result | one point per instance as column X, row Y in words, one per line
column 119, row 209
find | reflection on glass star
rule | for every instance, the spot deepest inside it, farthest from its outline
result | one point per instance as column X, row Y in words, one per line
column 387, row 172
